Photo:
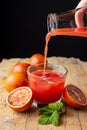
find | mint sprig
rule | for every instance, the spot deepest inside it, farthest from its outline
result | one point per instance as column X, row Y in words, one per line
column 50, row 114
column 55, row 118
column 44, row 119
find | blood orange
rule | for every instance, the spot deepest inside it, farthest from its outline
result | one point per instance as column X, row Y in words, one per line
column 74, row 96
column 20, row 99
column 15, row 80
column 36, row 59
column 21, row 67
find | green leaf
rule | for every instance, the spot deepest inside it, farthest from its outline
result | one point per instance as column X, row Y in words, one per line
column 44, row 119
column 51, row 113
column 55, row 118
column 45, row 111
column 56, row 106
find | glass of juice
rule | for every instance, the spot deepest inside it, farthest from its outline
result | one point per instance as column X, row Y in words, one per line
column 47, row 84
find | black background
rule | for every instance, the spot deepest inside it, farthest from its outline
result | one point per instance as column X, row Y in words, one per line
column 24, row 27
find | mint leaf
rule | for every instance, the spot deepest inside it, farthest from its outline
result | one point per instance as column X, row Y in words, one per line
column 50, row 119
column 44, row 119
column 56, row 106
column 54, row 118
column 45, row 110
column 51, row 113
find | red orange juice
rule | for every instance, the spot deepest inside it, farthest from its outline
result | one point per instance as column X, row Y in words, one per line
column 47, row 86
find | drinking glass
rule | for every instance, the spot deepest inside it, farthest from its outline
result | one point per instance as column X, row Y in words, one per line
column 47, row 85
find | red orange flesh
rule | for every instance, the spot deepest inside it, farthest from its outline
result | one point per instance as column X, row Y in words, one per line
column 20, row 99
column 74, row 96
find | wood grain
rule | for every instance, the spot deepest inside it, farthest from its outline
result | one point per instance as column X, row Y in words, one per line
column 72, row 120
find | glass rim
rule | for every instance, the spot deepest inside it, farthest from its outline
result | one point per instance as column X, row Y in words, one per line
column 42, row 77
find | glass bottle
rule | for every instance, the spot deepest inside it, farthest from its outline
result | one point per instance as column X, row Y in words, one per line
column 63, row 20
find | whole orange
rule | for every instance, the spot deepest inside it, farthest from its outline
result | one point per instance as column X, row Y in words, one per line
column 21, row 67
column 15, row 80
column 36, row 58
column 20, row 99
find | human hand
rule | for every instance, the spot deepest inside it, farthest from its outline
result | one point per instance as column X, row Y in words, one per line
column 80, row 13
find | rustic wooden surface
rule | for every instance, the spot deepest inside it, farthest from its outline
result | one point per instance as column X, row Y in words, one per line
column 72, row 120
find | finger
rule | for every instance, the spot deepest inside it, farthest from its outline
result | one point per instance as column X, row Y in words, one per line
column 79, row 17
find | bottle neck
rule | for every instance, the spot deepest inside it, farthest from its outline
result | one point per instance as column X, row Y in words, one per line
column 52, row 22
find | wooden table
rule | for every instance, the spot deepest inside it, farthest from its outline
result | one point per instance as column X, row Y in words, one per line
column 72, row 120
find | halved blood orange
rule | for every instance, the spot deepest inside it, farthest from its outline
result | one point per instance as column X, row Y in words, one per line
column 74, row 96
column 20, row 99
